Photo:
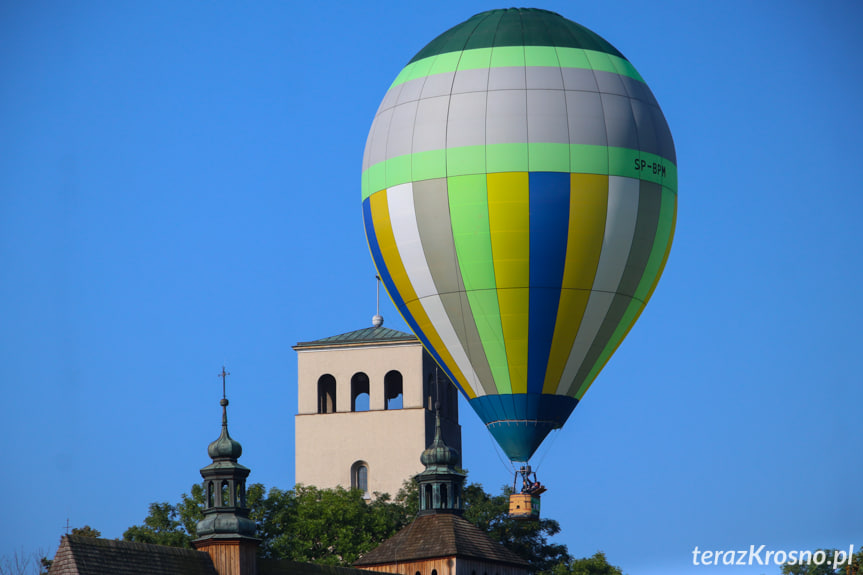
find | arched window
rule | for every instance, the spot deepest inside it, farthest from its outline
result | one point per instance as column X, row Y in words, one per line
column 241, row 495
column 393, row 390
column 360, row 392
column 225, row 498
column 434, row 571
column 360, row 476
column 327, row 394
column 428, row 497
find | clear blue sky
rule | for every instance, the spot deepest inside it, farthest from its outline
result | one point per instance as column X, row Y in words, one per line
column 179, row 188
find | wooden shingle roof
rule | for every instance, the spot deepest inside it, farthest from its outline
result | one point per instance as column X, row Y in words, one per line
column 439, row 535
column 79, row 555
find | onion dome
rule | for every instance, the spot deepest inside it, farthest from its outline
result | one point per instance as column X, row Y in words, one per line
column 225, row 447
column 439, row 454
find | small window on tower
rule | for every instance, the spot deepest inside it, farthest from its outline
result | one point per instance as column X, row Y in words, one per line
column 360, row 476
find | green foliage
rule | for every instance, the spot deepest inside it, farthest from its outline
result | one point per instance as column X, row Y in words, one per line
column 596, row 565
column 86, row 531
column 528, row 539
column 161, row 527
column 172, row 525
column 190, row 510
column 827, row 567
column 337, row 526
column 326, row 526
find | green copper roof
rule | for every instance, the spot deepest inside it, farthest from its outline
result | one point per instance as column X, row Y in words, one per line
column 516, row 27
column 366, row 335
column 439, row 457
column 225, row 447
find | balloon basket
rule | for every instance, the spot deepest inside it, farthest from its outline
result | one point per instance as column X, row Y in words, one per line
column 524, row 506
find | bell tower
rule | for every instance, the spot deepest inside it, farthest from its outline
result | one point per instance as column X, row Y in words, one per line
column 226, row 532
column 366, row 408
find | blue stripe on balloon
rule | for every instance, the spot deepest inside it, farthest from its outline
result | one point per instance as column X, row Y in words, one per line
column 519, row 422
column 374, row 247
column 549, row 230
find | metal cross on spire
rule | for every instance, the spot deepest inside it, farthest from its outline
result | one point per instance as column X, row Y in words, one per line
column 224, row 374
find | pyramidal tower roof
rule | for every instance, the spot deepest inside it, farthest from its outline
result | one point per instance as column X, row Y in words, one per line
column 368, row 335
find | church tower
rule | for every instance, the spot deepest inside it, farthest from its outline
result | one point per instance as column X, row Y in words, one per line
column 440, row 485
column 366, row 408
column 226, row 532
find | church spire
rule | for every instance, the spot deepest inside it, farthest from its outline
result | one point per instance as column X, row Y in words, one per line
column 226, row 517
column 441, row 484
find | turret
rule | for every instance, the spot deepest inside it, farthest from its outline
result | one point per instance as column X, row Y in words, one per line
column 226, row 532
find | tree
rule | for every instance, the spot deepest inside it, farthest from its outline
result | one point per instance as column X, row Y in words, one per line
column 337, row 526
column 190, row 510
column 172, row 525
column 22, row 563
column 527, row 539
column 86, row 531
column 161, row 527
column 326, row 526
column 596, row 565
column 826, row 567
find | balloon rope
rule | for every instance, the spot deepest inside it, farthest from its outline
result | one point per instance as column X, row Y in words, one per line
column 545, row 451
column 498, row 451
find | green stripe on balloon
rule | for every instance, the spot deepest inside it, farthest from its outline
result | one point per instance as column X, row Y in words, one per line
column 517, row 56
column 467, row 160
column 468, row 202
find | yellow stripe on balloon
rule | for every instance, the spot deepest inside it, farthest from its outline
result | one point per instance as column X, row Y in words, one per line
column 395, row 267
column 588, row 205
column 509, row 224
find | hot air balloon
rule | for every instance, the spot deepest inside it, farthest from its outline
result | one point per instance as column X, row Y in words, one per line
column 519, row 193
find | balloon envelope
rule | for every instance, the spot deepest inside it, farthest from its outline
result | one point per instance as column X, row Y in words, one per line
column 519, row 194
